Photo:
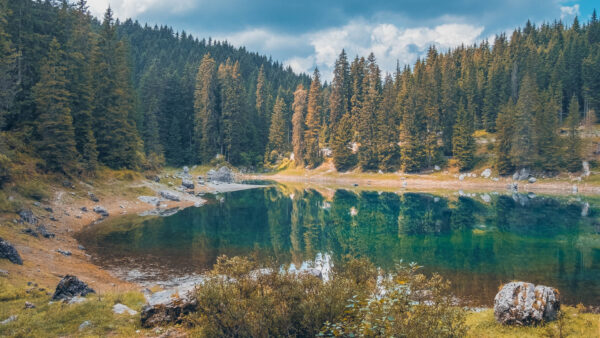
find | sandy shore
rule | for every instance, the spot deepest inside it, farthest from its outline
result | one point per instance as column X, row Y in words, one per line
column 45, row 266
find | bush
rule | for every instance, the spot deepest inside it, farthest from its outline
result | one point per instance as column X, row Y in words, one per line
column 243, row 298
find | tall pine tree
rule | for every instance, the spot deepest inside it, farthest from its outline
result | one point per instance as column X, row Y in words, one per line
column 206, row 113
column 298, row 125
column 313, row 122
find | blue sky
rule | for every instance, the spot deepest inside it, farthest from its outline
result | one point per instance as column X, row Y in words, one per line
column 309, row 33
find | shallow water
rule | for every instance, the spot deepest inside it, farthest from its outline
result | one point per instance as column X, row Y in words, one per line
column 477, row 241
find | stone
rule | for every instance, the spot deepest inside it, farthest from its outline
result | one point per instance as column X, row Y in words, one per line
column 486, row 198
column 169, row 195
column 9, row 252
column 30, row 232
column 224, row 174
column 68, row 184
column 93, row 197
column 461, row 177
column 64, row 252
column 486, row 173
column 169, row 306
column 70, row 287
column 189, row 184
column 186, row 170
column 81, row 247
column 532, row 180
column 27, row 216
column 121, row 309
column 521, row 175
column 29, row 305
column 586, row 168
column 575, row 189
column 522, row 303
column 437, row 168
column 4, row 273
column 9, row 320
column 53, row 219
column 585, row 209
column 149, row 199
column 101, row 211
column 513, row 186
column 85, row 325
column 48, row 209
column 44, row 232
column 404, row 184
column 84, row 209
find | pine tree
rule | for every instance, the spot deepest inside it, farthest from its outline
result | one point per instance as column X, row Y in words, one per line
column 232, row 115
column 505, row 126
column 8, row 64
column 339, row 100
column 262, row 98
column 277, row 131
column 298, row 126
column 463, row 143
column 56, row 144
column 388, row 151
column 547, row 143
column 311, row 134
column 341, row 144
column 367, row 117
column 522, row 150
column 206, row 114
column 572, row 155
column 591, row 76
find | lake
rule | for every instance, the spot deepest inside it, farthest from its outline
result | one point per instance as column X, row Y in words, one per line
column 477, row 240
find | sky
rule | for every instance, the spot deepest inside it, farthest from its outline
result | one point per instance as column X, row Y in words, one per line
column 311, row 33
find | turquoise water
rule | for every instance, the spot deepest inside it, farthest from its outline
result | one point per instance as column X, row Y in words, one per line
column 476, row 244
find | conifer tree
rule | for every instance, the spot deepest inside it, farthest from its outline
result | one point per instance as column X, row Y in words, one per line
column 339, row 100
column 572, row 156
column 591, row 75
column 8, row 63
column 522, row 150
column 206, row 114
column 277, row 131
column 463, row 143
column 262, row 98
column 311, row 134
column 56, row 144
column 388, row 151
column 232, row 116
column 341, row 145
column 298, row 126
column 547, row 143
column 505, row 126
column 367, row 117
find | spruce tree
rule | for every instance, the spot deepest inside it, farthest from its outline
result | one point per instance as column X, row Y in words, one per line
column 313, row 123
column 339, row 100
column 56, row 143
column 547, row 142
column 232, row 116
column 591, row 76
column 8, row 64
column 298, row 125
column 388, row 151
column 463, row 142
column 277, row 131
column 341, row 145
column 367, row 117
column 522, row 150
column 206, row 114
column 262, row 100
column 572, row 155
column 505, row 126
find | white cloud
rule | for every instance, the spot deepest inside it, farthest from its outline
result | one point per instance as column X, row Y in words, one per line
column 131, row 8
column 568, row 11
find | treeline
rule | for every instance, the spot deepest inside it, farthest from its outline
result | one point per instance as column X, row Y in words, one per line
column 526, row 89
column 80, row 93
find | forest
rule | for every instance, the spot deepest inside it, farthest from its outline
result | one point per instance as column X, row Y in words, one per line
column 77, row 93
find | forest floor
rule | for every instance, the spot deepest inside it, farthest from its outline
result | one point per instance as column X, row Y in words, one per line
column 432, row 181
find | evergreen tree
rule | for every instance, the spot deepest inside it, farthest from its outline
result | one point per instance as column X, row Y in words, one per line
column 8, row 63
column 341, row 144
column 262, row 98
column 388, row 151
column 547, row 143
column 277, row 131
column 505, row 126
column 339, row 100
column 298, row 126
column 463, row 142
column 311, row 134
column 591, row 76
column 56, row 144
column 522, row 150
column 206, row 114
column 572, row 156
column 232, row 114
column 367, row 117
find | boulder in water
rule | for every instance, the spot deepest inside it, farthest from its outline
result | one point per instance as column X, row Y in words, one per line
column 521, row 303
column 9, row 252
column 69, row 287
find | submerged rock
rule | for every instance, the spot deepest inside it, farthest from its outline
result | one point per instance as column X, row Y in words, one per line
column 70, row 287
column 9, row 252
column 521, row 303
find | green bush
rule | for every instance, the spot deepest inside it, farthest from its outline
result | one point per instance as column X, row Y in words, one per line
column 244, row 299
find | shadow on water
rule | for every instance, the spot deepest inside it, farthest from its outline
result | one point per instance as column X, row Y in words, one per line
column 477, row 242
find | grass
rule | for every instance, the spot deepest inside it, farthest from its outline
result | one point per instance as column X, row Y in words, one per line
column 575, row 324
column 53, row 319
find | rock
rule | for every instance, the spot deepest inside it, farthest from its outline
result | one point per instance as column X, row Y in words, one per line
column 586, row 168
column 355, row 184
column 513, row 186
column 8, row 320
column 404, row 184
column 168, row 307
column 189, row 184
column 532, row 180
column 29, row 305
column 64, row 252
column 27, row 216
column 120, row 309
column 585, row 209
column 44, row 232
column 575, row 189
column 53, row 219
column 486, row 173
column 169, row 195
column 84, row 209
column 486, row 198
column 186, row 170
column 101, row 210
column 93, row 197
column 495, row 179
column 437, row 168
column 30, row 232
column 522, row 174
column 3, row 273
column 85, row 325
column 149, row 199
column 521, row 303
column 81, row 247
column 9, row 252
column 68, row 184
column 75, row 300
column 461, row 177
column 224, row 174
column 37, row 204
column 69, row 287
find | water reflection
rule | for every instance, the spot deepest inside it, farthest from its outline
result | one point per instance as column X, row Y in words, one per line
column 477, row 240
